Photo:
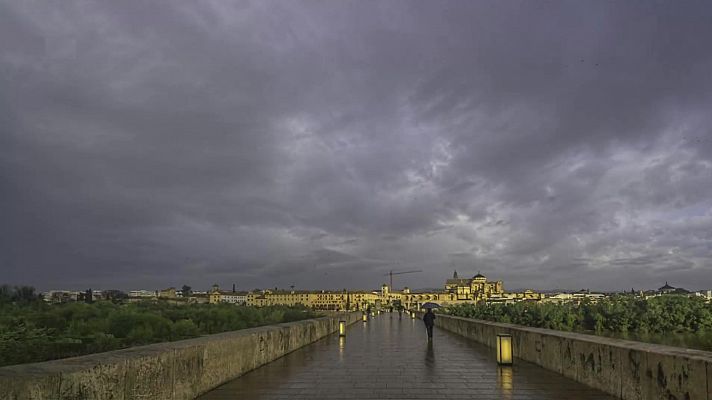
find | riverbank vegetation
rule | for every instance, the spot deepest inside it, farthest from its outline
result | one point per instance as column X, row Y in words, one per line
column 31, row 330
column 670, row 319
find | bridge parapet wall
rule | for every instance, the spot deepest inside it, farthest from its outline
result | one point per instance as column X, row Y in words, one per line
column 623, row 368
column 175, row 370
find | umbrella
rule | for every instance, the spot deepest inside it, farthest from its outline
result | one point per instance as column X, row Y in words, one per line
column 430, row 305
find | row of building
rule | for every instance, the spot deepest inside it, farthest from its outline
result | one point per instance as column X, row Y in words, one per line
column 456, row 291
column 477, row 289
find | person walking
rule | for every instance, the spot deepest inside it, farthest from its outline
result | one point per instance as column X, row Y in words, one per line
column 429, row 319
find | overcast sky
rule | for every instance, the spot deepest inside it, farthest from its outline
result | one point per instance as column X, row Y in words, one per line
column 322, row 143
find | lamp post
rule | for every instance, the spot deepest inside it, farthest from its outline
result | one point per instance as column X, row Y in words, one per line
column 504, row 349
column 364, row 317
column 342, row 328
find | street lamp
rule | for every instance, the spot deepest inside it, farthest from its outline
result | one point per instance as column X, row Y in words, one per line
column 364, row 317
column 504, row 349
column 342, row 328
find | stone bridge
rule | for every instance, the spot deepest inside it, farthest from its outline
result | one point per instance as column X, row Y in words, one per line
column 387, row 357
column 390, row 358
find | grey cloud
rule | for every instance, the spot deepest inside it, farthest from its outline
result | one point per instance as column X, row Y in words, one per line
column 546, row 144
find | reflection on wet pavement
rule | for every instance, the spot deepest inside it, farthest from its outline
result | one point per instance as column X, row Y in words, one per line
column 390, row 358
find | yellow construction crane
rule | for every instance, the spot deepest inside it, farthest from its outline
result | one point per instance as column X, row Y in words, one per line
column 391, row 273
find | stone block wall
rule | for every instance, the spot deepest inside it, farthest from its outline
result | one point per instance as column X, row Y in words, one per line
column 623, row 368
column 166, row 371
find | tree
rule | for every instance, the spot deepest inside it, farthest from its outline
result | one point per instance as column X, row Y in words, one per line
column 86, row 296
column 184, row 329
column 5, row 294
column 115, row 295
column 25, row 293
column 36, row 331
column 186, row 291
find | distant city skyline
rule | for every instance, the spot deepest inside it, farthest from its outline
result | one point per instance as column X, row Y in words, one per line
column 412, row 283
column 228, row 286
column 322, row 144
column 456, row 290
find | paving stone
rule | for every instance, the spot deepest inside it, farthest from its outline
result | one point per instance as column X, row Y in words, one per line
column 390, row 358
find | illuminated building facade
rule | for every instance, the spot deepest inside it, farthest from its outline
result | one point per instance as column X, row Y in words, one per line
column 472, row 290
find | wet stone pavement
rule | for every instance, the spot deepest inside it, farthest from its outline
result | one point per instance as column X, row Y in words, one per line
column 390, row 358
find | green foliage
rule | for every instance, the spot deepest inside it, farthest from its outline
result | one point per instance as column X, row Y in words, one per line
column 22, row 294
column 624, row 316
column 31, row 330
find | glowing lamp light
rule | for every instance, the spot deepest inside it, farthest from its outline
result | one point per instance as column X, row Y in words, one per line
column 412, row 315
column 342, row 328
column 504, row 380
column 364, row 317
column 504, row 349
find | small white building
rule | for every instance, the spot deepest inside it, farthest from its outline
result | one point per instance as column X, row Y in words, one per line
column 705, row 294
column 60, row 296
column 576, row 297
column 142, row 293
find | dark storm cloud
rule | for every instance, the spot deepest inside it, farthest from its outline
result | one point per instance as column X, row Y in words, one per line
column 322, row 144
